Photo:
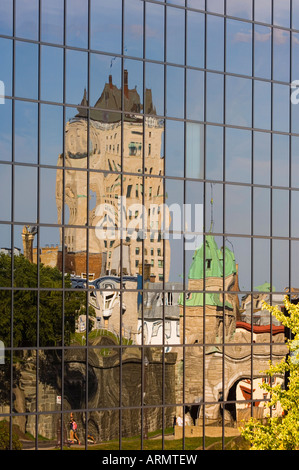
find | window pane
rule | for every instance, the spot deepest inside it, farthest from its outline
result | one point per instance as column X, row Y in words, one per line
column 154, row 85
column 133, row 29
column 6, row 68
column 280, row 265
column 154, row 31
column 52, row 21
column 27, row 19
column 174, row 141
column 214, row 207
column 281, row 13
column 239, row 47
column 215, row 37
column 175, row 35
column 6, row 17
column 26, row 132
column 175, row 92
column 5, row 192
column 240, row 9
column 195, row 39
column 214, row 97
column 262, row 104
column 281, row 158
column 50, row 199
column 194, row 150
column 261, row 211
column 262, row 157
column 26, row 81
column 195, row 95
column 198, row 4
column 238, row 155
column 214, row 152
column 105, row 82
column 238, row 101
column 281, row 55
column 262, row 11
column 76, row 76
column 105, row 25
column 237, row 209
column 77, row 23
column 216, row 6
column 25, row 197
column 294, row 221
column 133, row 85
column 6, row 130
column 262, row 51
column 51, row 74
column 295, row 161
column 281, row 103
column 295, row 14
column 51, row 134
column 280, row 205
column 261, row 262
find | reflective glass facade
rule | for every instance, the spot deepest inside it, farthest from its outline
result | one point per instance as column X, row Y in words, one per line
column 148, row 175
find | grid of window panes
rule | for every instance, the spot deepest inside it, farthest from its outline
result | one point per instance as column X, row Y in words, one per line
column 148, row 108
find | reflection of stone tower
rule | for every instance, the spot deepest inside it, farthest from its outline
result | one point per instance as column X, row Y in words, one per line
column 28, row 235
column 207, row 274
column 207, row 317
column 113, row 146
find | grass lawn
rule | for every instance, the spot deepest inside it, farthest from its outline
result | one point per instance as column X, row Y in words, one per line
column 194, row 443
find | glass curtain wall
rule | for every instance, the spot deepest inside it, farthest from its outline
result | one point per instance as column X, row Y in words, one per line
column 148, row 157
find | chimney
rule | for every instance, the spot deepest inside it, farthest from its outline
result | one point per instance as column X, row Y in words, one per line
column 126, row 88
column 110, row 81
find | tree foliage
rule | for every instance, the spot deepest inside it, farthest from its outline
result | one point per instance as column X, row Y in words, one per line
column 38, row 317
column 280, row 433
column 35, row 311
column 5, row 438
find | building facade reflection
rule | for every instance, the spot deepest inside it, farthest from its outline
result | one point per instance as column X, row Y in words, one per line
column 107, row 313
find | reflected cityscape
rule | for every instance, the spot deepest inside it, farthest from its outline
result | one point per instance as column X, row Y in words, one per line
column 149, row 212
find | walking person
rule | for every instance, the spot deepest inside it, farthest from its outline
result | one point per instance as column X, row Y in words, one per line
column 75, row 432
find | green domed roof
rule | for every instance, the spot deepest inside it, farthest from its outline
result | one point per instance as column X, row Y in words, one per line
column 266, row 287
column 214, row 261
column 213, row 268
column 198, row 299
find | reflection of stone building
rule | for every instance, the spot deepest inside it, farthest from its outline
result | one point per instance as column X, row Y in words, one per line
column 133, row 146
column 28, row 235
column 251, row 306
column 71, row 262
column 219, row 353
column 160, row 316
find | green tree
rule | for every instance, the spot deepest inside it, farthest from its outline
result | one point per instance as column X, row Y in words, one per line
column 5, row 438
column 29, row 307
column 36, row 317
column 280, row 433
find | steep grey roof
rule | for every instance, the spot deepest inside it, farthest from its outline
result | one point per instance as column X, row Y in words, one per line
column 110, row 102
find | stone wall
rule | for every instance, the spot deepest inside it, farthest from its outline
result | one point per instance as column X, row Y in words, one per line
column 104, row 392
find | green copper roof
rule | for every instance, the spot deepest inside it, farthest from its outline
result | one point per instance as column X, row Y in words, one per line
column 198, row 299
column 266, row 287
column 214, row 261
